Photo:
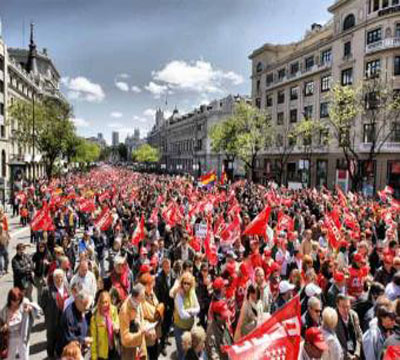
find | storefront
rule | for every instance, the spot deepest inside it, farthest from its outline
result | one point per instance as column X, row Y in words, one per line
column 393, row 176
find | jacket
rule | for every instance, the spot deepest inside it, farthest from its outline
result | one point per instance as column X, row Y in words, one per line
column 331, row 296
column 98, row 331
column 162, row 289
column 250, row 317
column 132, row 343
column 150, row 313
column 373, row 341
column 335, row 351
column 343, row 336
column 217, row 337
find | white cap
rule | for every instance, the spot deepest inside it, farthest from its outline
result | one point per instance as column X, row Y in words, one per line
column 285, row 286
column 312, row 290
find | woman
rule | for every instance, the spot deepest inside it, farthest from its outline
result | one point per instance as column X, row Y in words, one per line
column 203, row 292
column 18, row 315
column 251, row 313
column 41, row 262
column 329, row 322
column 121, row 281
column 72, row 351
column 185, row 310
column 104, row 329
column 153, row 313
column 193, row 343
column 52, row 303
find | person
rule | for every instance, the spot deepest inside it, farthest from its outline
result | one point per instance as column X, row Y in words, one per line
column 18, row 316
column 22, row 270
column 285, row 294
column 186, row 307
column 219, row 333
column 312, row 317
column 72, row 351
column 263, row 288
column 375, row 337
column 164, row 282
column 121, row 281
column 348, row 328
column 133, row 326
column 153, row 312
column 314, row 345
column 251, row 313
column 41, row 262
column 203, row 291
column 392, row 290
column 329, row 322
column 86, row 278
column 73, row 324
column 52, row 303
column 183, row 251
column 193, row 343
column 338, row 286
column 104, row 329
column 4, row 242
column 386, row 272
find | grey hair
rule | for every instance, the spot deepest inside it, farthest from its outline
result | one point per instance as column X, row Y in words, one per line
column 83, row 295
column 313, row 301
column 137, row 290
column 58, row 272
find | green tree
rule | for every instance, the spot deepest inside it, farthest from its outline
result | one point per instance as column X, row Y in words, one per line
column 86, row 152
column 53, row 128
column 244, row 134
column 146, row 153
column 122, row 151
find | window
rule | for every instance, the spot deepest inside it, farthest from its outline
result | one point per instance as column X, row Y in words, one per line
column 308, row 112
column 258, row 86
column 395, row 2
column 258, row 103
column 326, row 83
column 294, row 93
column 1, row 63
column 281, row 73
column 281, row 97
column 324, row 110
column 259, row 67
column 309, row 63
column 395, row 132
column 309, row 88
column 347, row 49
column 371, row 100
column 3, row 131
column 385, row 3
column 397, row 30
column 270, row 79
column 293, row 115
column 349, row 22
column 1, row 109
column 376, row 5
column 280, row 118
column 292, row 140
column 269, row 100
column 279, row 140
column 291, row 171
column 1, row 86
column 347, row 77
column 374, row 36
column 3, row 163
column 326, row 56
column 294, row 68
column 396, row 68
column 323, row 137
column 368, row 133
column 372, row 68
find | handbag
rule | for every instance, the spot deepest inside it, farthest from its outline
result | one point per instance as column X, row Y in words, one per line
column 4, row 336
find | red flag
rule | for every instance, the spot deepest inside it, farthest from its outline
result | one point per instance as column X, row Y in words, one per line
column 211, row 250
column 231, row 233
column 104, row 220
column 285, row 222
column 42, row 220
column 195, row 243
column 138, row 235
column 259, row 224
column 103, row 196
column 333, row 225
column 87, row 205
column 392, row 353
column 276, row 338
column 154, row 216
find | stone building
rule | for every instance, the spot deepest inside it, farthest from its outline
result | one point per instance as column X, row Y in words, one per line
column 184, row 142
column 293, row 81
column 132, row 142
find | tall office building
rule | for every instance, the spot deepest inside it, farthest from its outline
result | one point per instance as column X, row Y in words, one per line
column 115, row 138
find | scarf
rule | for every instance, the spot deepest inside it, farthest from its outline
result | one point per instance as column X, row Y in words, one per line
column 110, row 329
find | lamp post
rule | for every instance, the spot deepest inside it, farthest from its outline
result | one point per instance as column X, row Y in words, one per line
column 33, row 137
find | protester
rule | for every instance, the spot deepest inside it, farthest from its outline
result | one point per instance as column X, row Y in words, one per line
column 22, row 270
column 314, row 345
column 193, row 343
column 4, row 242
column 329, row 323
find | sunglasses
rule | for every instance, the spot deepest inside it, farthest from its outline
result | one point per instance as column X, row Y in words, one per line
column 187, row 283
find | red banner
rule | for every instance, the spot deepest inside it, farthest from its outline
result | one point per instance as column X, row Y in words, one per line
column 392, row 353
column 333, row 226
column 259, row 224
column 138, row 235
column 277, row 338
column 42, row 220
column 104, row 220
column 87, row 205
column 231, row 233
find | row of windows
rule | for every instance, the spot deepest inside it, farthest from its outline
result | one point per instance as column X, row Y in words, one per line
column 20, row 86
column 308, row 113
column 374, row 5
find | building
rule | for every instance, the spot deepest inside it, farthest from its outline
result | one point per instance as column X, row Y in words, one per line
column 99, row 140
column 133, row 142
column 30, row 75
column 184, row 142
column 293, row 81
column 115, row 138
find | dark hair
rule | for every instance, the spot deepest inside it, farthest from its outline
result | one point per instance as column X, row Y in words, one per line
column 376, row 289
column 187, row 264
column 341, row 297
column 253, row 290
column 396, row 278
column 15, row 294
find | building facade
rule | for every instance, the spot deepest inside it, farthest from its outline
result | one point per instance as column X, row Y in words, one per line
column 98, row 140
column 115, row 138
column 184, row 142
column 293, row 81
column 132, row 142
column 29, row 75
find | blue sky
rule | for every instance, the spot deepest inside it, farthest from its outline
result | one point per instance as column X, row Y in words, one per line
column 119, row 58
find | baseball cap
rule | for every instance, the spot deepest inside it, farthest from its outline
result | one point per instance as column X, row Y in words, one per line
column 357, row 257
column 144, row 268
column 315, row 337
column 338, row 276
column 285, row 286
column 220, row 307
column 343, row 244
column 312, row 290
column 219, row 283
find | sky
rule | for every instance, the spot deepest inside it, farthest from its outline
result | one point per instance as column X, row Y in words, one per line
column 120, row 60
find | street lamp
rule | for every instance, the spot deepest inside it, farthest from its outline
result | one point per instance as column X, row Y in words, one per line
column 33, row 134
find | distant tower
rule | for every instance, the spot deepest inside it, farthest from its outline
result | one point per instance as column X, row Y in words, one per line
column 159, row 117
column 100, row 136
column 115, row 138
column 31, row 65
column 136, row 135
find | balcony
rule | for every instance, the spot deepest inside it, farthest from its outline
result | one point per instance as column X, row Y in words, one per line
column 385, row 44
column 388, row 147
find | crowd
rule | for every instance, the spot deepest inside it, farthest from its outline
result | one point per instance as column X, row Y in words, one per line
column 126, row 263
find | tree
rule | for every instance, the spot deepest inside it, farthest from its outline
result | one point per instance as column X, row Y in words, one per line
column 53, row 128
column 285, row 141
column 86, row 152
column 377, row 108
column 122, row 151
column 244, row 134
column 146, row 153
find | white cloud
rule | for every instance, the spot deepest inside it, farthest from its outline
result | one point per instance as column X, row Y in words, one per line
column 116, row 114
column 123, row 76
column 81, row 88
column 123, row 86
column 198, row 76
column 156, row 89
column 141, row 119
column 115, row 125
column 149, row 113
column 136, row 89
column 79, row 122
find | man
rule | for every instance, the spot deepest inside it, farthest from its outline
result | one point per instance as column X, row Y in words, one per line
column 184, row 251
column 312, row 317
column 314, row 345
column 86, row 243
column 338, row 286
column 164, row 283
column 348, row 329
column 306, row 244
column 4, row 242
column 73, row 324
column 285, row 294
column 219, row 333
column 22, row 269
column 86, row 278
column 386, row 272
column 392, row 290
